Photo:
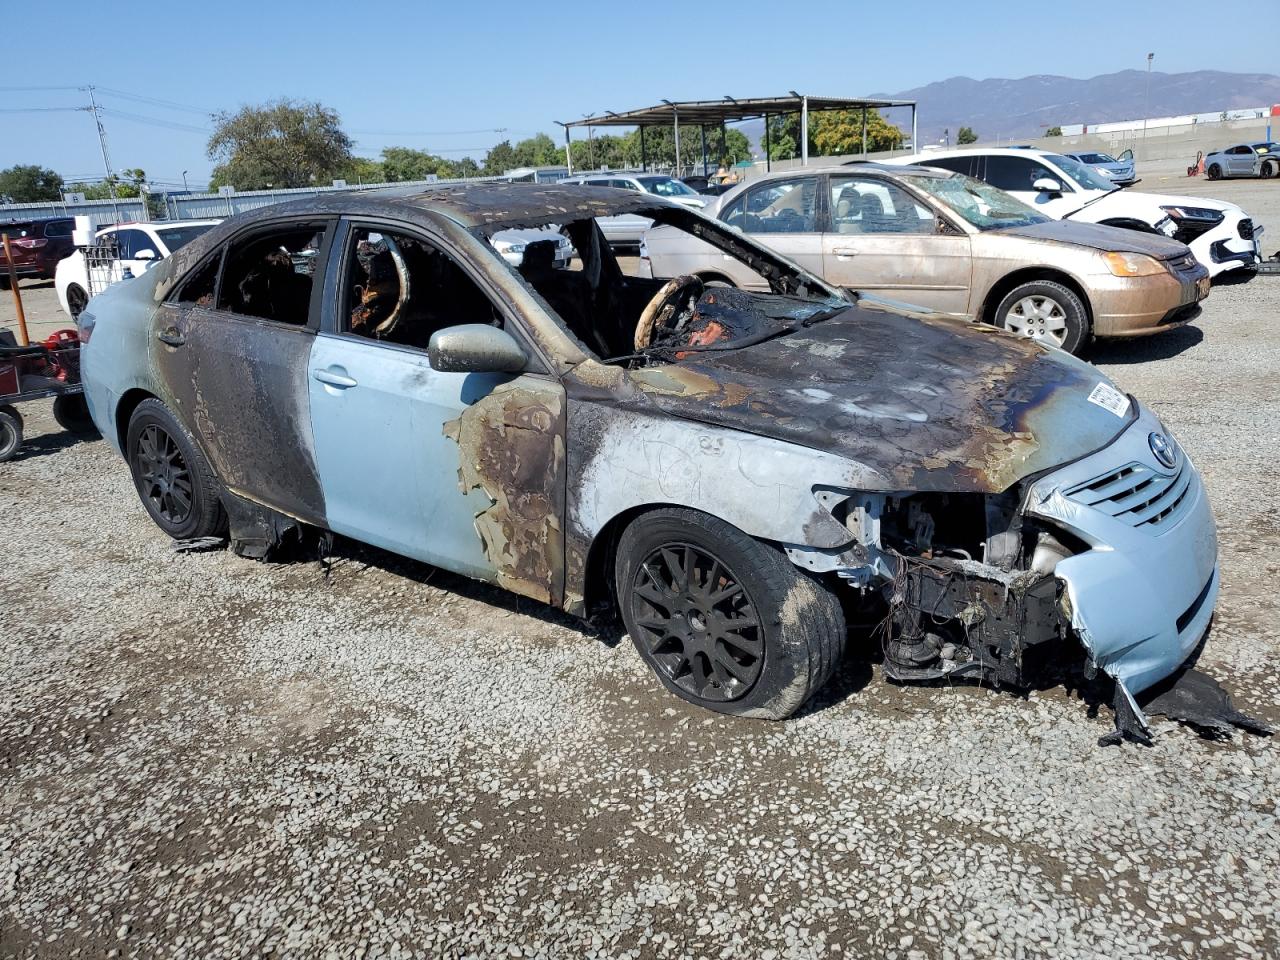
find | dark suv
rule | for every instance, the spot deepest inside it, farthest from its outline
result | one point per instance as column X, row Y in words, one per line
column 37, row 246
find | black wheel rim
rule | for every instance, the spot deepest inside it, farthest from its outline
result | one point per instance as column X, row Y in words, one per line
column 76, row 300
column 697, row 622
column 163, row 477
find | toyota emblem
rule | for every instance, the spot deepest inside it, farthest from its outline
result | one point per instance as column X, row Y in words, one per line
column 1165, row 452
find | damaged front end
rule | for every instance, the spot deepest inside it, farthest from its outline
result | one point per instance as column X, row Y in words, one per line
column 1113, row 556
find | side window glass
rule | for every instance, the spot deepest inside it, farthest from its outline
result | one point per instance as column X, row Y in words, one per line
column 127, row 244
column 955, row 164
column 1016, row 173
column 401, row 290
column 875, row 207
column 199, row 287
column 59, row 228
column 270, row 276
column 783, row 206
column 732, row 213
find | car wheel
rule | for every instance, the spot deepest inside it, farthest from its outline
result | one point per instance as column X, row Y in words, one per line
column 726, row 622
column 72, row 413
column 1267, row 171
column 1045, row 311
column 77, row 299
column 173, row 479
column 10, row 433
column 1213, row 172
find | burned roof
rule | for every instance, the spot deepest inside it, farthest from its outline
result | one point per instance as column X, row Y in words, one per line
column 501, row 204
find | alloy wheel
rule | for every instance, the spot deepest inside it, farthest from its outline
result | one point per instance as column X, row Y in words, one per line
column 163, row 477
column 698, row 624
column 1040, row 318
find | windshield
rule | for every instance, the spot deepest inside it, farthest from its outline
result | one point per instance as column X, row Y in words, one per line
column 1081, row 173
column 1266, row 147
column 177, row 237
column 1094, row 157
column 666, row 187
column 984, row 206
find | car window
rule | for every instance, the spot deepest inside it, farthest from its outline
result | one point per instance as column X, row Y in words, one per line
column 599, row 183
column 199, row 286
column 955, row 164
column 1016, row 173
column 401, row 289
column 177, row 237
column 624, row 185
column 866, row 205
column 59, row 228
column 131, row 241
column 779, row 206
column 270, row 276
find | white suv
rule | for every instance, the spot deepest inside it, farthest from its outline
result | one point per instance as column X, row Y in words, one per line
column 139, row 245
column 1220, row 234
column 627, row 229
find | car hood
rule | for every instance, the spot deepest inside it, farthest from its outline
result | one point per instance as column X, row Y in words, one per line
column 1126, row 202
column 1098, row 237
column 928, row 402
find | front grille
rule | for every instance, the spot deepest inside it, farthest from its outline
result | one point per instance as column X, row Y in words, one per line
column 1246, row 229
column 1138, row 495
column 1180, row 264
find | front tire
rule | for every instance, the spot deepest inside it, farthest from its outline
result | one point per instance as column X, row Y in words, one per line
column 77, row 300
column 1214, row 172
column 1267, row 170
column 10, row 433
column 1045, row 311
column 174, row 481
column 726, row 622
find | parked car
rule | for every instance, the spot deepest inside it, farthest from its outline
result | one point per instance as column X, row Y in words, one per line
column 947, row 242
column 512, row 244
column 732, row 468
column 627, row 231
column 1261, row 159
column 1220, row 234
column 1121, row 171
column 138, row 247
column 36, row 247
column 707, row 186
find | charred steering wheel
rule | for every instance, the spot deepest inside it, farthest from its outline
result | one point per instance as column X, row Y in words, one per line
column 669, row 310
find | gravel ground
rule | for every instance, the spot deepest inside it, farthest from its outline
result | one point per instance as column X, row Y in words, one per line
column 204, row 756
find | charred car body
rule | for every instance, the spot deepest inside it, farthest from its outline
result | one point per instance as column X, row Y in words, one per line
column 737, row 471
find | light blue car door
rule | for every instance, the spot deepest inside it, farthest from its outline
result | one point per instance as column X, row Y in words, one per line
column 390, row 431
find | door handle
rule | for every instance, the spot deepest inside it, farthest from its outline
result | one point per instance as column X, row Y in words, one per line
column 333, row 378
column 172, row 336
column 844, row 251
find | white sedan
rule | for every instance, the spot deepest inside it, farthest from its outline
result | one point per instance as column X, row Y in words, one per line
column 1221, row 235
column 138, row 246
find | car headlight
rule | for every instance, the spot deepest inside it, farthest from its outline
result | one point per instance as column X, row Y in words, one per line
column 1202, row 214
column 1132, row 264
column 505, row 247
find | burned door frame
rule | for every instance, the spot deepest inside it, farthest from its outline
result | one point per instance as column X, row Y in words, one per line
column 508, row 430
column 239, row 382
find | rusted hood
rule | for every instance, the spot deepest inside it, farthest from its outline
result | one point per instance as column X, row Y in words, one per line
column 928, row 403
column 1102, row 238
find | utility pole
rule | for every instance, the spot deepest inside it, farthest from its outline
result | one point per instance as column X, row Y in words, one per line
column 1146, row 105
column 102, row 142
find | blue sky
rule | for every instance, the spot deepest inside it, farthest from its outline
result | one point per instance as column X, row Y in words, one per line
column 446, row 77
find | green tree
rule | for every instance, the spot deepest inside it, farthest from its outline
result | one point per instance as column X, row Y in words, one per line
column 404, row 163
column 284, row 143
column 125, row 185
column 363, row 170
column 500, row 158
column 538, row 151
column 966, row 135
column 1053, row 132
column 832, row 133
column 29, row 183
column 464, row 167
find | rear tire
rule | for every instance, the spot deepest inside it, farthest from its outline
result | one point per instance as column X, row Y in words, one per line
column 1045, row 311
column 174, row 481
column 1267, row 170
column 743, row 632
column 10, row 433
column 1214, row 172
column 72, row 413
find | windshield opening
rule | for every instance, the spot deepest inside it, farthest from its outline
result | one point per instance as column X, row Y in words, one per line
column 984, row 206
column 617, row 310
column 1081, row 173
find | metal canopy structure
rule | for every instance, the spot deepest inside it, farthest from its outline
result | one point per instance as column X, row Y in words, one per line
column 704, row 113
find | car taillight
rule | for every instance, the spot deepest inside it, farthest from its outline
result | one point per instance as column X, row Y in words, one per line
column 29, row 243
column 84, row 325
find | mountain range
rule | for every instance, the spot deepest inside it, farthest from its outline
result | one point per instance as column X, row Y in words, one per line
column 1026, row 107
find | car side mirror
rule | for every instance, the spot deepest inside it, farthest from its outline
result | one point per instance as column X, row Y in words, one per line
column 147, row 254
column 1047, row 185
column 475, row 348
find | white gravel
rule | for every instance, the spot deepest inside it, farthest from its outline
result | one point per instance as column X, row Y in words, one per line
column 202, row 756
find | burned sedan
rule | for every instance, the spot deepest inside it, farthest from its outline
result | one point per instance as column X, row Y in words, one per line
column 739, row 474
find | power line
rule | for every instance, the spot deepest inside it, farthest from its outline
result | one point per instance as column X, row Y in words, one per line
column 13, row 89
column 156, row 101
column 155, row 121
column 40, row 109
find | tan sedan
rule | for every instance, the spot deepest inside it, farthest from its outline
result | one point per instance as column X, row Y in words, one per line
column 953, row 244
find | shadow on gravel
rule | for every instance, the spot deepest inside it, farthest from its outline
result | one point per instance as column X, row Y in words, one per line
column 1234, row 278
column 47, row 443
column 1159, row 347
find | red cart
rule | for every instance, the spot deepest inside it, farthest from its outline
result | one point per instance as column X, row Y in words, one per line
column 47, row 369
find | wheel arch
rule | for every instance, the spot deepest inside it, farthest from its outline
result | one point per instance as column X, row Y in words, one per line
column 124, row 411
column 598, row 588
column 1008, row 282
column 716, row 276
